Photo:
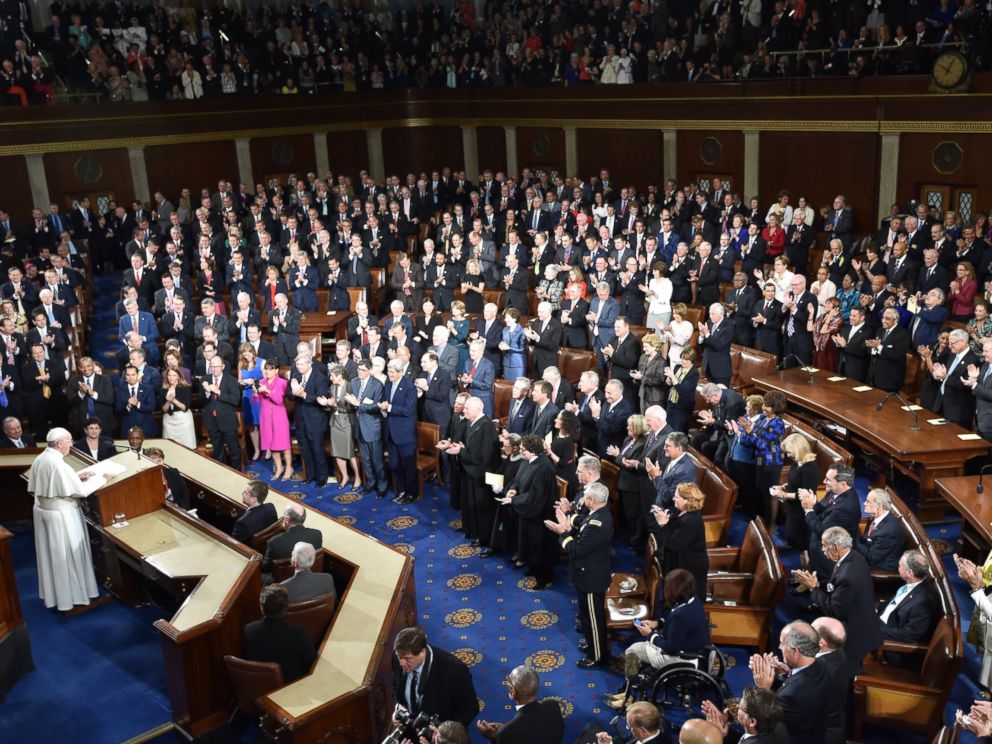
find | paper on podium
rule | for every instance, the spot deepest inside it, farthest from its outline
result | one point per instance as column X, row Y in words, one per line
column 494, row 479
column 100, row 469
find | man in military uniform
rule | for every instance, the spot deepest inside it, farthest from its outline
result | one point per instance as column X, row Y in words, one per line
column 586, row 539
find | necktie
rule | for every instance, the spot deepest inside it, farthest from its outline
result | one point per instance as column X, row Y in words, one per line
column 475, row 366
column 90, row 408
column 392, row 392
column 134, row 390
column 988, row 369
column 414, row 697
column 361, row 390
column 871, row 528
column 134, row 322
column 19, row 444
column 515, row 409
column 950, row 371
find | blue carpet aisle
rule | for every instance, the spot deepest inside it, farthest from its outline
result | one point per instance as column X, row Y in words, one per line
column 103, row 669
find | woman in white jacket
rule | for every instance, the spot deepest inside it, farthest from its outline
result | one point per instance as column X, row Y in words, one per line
column 192, row 83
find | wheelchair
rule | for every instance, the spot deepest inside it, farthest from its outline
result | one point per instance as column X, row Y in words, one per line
column 678, row 690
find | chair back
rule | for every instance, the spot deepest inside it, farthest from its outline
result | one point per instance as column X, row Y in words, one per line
column 939, row 658
column 261, row 538
column 502, row 395
column 428, row 435
column 355, row 295
column 747, row 559
column 250, row 680
column 573, row 362
column 314, row 615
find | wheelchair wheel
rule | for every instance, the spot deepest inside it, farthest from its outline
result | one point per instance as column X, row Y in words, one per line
column 679, row 693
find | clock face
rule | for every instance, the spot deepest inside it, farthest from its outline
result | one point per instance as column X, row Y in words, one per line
column 950, row 69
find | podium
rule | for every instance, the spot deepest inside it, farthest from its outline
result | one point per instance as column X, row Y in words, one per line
column 214, row 580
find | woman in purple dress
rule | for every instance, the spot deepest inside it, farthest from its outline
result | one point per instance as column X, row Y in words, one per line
column 273, row 424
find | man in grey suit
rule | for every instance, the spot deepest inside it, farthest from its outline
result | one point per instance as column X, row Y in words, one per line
column 980, row 382
column 447, row 355
column 365, row 395
column 680, row 469
column 304, row 584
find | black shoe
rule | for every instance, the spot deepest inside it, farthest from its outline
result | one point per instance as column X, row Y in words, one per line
column 320, row 482
column 583, row 645
column 578, row 628
column 380, row 494
column 398, row 498
column 486, row 553
column 366, row 489
column 408, row 499
column 587, row 663
column 475, row 543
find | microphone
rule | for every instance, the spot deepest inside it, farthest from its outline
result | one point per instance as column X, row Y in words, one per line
column 802, row 365
column 906, row 403
column 981, row 474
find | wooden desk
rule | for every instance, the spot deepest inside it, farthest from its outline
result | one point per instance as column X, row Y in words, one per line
column 348, row 688
column 16, row 504
column 925, row 455
column 975, row 511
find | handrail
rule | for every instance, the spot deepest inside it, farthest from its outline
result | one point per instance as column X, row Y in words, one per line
column 874, row 48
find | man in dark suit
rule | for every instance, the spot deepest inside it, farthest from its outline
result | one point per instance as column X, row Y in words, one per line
column 679, row 469
column 479, row 375
column 932, row 275
column 430, row 680
column 211, row 318
column 281, row 546
column 242, row 316
column 441, row 278
column 798, row 241
column 902, row 270
column 534, row 720
column 399, row 406
column 478, row 453
column 273, row 639
column 883, row 538
column 715, row 337
column 434, row 387
column 521, row 413
column 573, row 319
column 176, row 489
column 980, row 382
column 855, row 354
column 14, row 436
column 797, row 340
column 545, row 411
column 365, row 394
column 887, row 369
column 848, row 596
column 931, row 316
column 90, row 395
column 284, row 324
column 258, row 514
column 304, row 584
column 742, row 302
column 840, row 222
column 767, row 318
column 753, row 251
column 839, row 508
column 727, row 405
column 621, row 355
column 514, row 284
column 309, row 417
column 221, row 400
column 135, row 403
column 588, row 392
column 545, row 333
column 490, row 329
column 359, row 324
column 955, row 400
column 178, row 324
column 803, row 692
column 611, row 417
column 833, row 659
column 910, row 616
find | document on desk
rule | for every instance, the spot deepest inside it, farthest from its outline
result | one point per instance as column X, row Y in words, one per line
column 969, row 437
column 835, row 378
column 911, row 408
column 863, row 389
column 99, row 470
column 937, row 421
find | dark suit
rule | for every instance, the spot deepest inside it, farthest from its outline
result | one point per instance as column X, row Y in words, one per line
column 281, row 546
column 184, row 334
column 516, row 289
column 883, row 545
column 26, row 440
column 445, row 686
column 310, row 423
column 716, row 352
column 254, row 520
column 287, row 644
column 768, row 335
column 533, row 722
column 801, row 697
column 178, row 490
column 833, row 510
column 913, row 619
column 956, row 401
column 855, row 356
column 745, row 300
column 612, row 425
column 105, row 448
column 887, row 369
column 544, row 420
column 306, row 585
column 576, row 331
column 519, row 422
column 102, row 406
column 683, row 471
column 140, row 416
column 848, row 597
column 220, row 418
column 401, row 435
column 626, row 354
column 436, row 401
column 287, row 335
column 838, row 669
column 545, row 349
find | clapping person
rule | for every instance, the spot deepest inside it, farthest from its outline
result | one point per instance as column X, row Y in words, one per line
column 766, row 436
column 249, row 373
column 804, row 474
column 176, row 402
column 825, row 328
column 273, row 421
column 676, row 334
column 506, row 526
column 342, row 418
column 682, row 380
column 627, row 457
column 513, row 345
column 682, row 535
column 744, row 458
column 564, row 447
column 650, row 373
column 458, row 327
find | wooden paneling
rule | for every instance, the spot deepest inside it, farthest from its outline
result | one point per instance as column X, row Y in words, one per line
column 730, row 162
column 542, row 147
column 203, row 164
column 633, row 157
column 415, row 149
column 916, row 166
column 280, row 155
column 347, row 152
column 492, row 148
column 113, row 175
column 820, row 166
column 16, row 198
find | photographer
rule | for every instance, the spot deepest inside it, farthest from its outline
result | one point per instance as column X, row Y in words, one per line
column 427, row 680
column 449, row 732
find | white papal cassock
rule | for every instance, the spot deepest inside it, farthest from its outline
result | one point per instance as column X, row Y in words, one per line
column 65, row 564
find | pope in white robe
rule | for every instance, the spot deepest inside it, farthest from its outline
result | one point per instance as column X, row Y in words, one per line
column 65, row 564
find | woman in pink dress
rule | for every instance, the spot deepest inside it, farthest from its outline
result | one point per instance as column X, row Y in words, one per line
column 273, row 424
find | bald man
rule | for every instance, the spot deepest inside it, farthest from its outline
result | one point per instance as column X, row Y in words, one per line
column 281, row 546
column 839, row 675
column 698, row 731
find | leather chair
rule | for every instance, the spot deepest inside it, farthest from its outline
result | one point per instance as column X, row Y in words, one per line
column 428, row 455
column 732, row 568
column 502, row 395
column 747, row 622
column 282, row 568
column 915, row 372
column 250, row 680
column 641, row 589
column 494, row 296
column 721, row 495
column 609, row 474
column 314, row 615
column 573, row 362
column 749, row 363
column 261, row 538
column 622, row 611
column 826, row 449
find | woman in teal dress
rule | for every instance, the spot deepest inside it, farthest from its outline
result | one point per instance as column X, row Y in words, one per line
column 249, row 373
column 458, row 326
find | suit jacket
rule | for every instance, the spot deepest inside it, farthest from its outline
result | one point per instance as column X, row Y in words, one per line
column 177, row 486
column 220, row 322
column 520, row 423
column 545, row 353
column 445, row 686
column 281, row 546
column 913, row 619
column 612, row 425
column 287, row 336
column 626, row 355
column 838, row 669
column 185, row 335
column 287, row 644
column 401, row 421
column 482, row 382
column 26, row 439
column 140, row 416
column 103, row 404
column 544, row 421
column 254, row 520
column 493, row 340
column 983, row 400
column 516, row 290
column 768, row 335
column 367, row 415
column 887, row 370
column 801, row 697
column 683, row 471
column 146, row 327
column 604, row 327
column 854, row 358
column 927, row 324
column 221, row 411
column 536, row 721
column 306, row 585
column 105, row 447
column 576, row 330
column 716, row 351
column 957, row 402
column 883, row 547
column 849, row 597
column 436, row 401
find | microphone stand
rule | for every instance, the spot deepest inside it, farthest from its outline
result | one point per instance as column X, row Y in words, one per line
column 802, row 365
column 906, row 403
column 980, row 489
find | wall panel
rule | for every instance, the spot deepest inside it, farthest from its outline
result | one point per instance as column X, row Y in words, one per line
column 281, row 155
column 697, row 155
column 542, row 147
column 917, row 168
column 416, row 149
column 101, row 171
column 347, row 152
column 633, row 157
column 820, row 166
column 16, row 199
column 492, row 148
column 203, row 164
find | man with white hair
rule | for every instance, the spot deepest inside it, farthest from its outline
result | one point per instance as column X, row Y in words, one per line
column 281, row 546
column 399, row 406
column 545, row 334
column 65, row 564
column 479, row 450
column 490, row 329
column 243, row 317
column 715, row 337
column 284, row 324
column 954, row 399
column 304, row 584
column 479, row 375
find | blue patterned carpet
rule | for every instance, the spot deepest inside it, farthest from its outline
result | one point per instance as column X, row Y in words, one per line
column 103, row 669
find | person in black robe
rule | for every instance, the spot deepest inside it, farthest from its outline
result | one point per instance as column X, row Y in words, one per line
column 478, row 453
column 456, row 433
column 563, row 449
column 505, row 526
column 533, row 495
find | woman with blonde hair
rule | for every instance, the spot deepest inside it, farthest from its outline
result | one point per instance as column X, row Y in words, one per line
column 627, row 457
column 804, row 472
column 682, row 535
column 650, row 373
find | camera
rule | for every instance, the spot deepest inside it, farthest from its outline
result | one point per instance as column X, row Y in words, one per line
column 412, row 729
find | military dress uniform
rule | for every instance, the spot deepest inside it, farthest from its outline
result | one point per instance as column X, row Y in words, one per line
column 588, row 548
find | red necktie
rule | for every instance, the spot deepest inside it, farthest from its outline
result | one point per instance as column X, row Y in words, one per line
column 472, row 372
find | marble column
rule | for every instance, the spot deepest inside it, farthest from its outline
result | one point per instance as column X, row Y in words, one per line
column 38, row 181
column 245, row 175
column 139, row 174
column 512, row 169
column 321, row 157
column 670, row 154
column 752, row 157
column 888, row 177
column 377, row 161
column 470, row 152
